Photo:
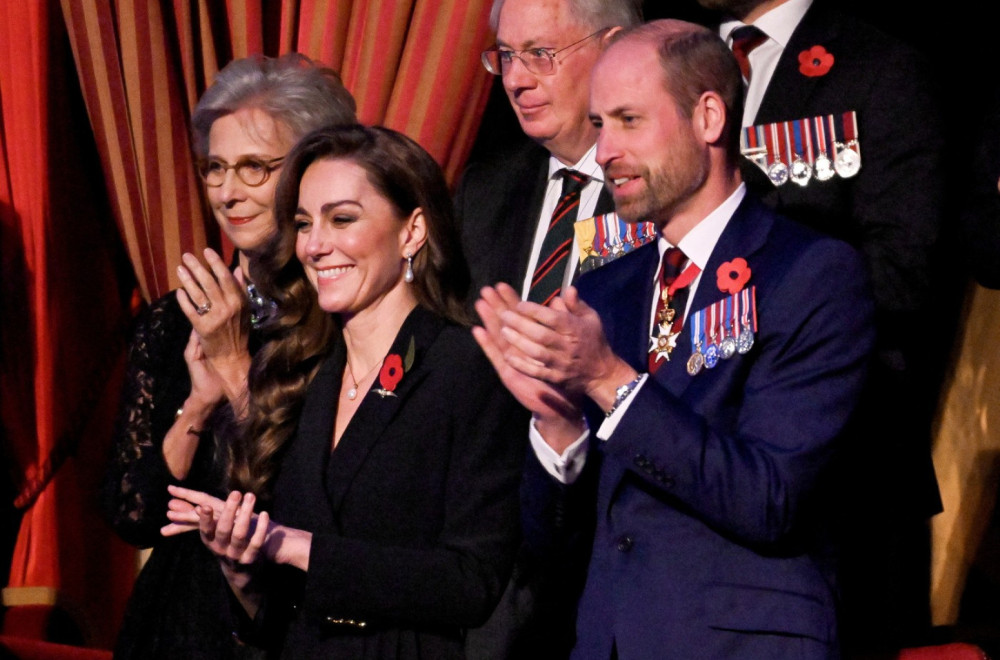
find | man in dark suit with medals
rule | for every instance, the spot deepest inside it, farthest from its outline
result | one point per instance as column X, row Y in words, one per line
column 842, row 134
column 692, row 395
column 516, row 211
column 514, row 227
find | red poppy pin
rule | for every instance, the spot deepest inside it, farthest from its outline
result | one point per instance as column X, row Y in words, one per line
column 393, row 368
column 733, row 275
column 815, row 62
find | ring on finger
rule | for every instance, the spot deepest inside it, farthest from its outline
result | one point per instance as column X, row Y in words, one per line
column 204, row 308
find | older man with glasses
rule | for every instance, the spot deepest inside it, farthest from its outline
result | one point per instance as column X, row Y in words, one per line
column 517, row 209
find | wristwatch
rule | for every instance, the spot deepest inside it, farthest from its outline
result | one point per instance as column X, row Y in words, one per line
column 623, row 393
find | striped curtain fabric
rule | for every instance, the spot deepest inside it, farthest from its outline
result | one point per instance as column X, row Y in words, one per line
column 64, row 305
column 412, row 65
column 141, row 65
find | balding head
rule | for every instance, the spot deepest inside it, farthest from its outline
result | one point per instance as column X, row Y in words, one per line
column 668, row 144
column 694, row 60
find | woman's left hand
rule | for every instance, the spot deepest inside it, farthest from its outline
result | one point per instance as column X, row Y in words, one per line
column 233, row 532
column 215, row 302
column 230, row 528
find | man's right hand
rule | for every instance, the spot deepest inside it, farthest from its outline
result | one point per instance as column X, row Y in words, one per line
column 557, row 417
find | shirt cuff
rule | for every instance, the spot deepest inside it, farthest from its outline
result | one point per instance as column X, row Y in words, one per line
column 609, row 425
column 564, row 468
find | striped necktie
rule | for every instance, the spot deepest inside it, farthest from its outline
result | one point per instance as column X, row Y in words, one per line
column 546, row 282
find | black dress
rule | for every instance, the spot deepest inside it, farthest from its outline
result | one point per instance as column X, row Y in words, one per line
column 180, row 603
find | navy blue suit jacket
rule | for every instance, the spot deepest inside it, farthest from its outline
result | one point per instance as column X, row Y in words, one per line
column 712, row 536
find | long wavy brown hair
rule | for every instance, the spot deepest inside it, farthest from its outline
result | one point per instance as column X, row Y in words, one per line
column 302, row 334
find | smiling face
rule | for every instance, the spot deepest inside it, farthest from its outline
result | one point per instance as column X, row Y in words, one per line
column 352, row 241
column 246, row 213
column 552, row 109
column 652, row 159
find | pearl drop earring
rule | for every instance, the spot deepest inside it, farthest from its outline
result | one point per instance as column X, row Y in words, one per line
column 408, row 275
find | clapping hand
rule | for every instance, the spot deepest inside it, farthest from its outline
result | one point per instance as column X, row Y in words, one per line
column 229, row 528
column 214, row 300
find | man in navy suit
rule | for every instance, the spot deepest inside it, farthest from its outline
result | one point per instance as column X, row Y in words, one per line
column 692, row 404
column 810, row 59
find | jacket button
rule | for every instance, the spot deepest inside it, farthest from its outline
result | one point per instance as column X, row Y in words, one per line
column 662, row 477
column 625, row 543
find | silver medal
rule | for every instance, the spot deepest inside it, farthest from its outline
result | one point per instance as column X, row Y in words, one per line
column 824, row 168
column 848, row 161
column 800, row 172
column 727, row 347
column 745, row 341
column 777, row 173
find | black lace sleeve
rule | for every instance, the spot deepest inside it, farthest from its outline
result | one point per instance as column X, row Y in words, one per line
column 156, row 384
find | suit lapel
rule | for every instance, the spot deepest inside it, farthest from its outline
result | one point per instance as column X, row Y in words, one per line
column 789, row 91
column 605, row 202
column 525, row 208
column 376, row 411
column 744, row 235
column 307, row 456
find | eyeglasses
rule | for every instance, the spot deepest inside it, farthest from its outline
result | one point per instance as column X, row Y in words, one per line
column 251, row 171
column 540, row 61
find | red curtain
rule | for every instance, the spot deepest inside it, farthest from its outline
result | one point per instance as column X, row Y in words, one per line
column 87, row 187
column 412, row 65
column 64, row 320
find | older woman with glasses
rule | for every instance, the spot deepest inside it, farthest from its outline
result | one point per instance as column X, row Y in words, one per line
column 377, row 435
column 189, row 358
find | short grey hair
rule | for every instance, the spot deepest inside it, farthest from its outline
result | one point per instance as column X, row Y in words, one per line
column 595, row 14
column 301, row 94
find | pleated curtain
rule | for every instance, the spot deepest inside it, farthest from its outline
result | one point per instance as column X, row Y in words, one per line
column 99, row 198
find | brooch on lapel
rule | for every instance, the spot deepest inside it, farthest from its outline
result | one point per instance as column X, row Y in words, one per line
column 393, row 369
column 815, row 62
column 726, row 327
column 733, row 275
column 800, row 150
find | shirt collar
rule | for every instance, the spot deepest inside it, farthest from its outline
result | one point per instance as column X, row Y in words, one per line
column 778, row 24
column 698, row 244
column 586, row 165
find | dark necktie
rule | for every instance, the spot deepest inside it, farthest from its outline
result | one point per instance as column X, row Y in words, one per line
column 745, row 39
column 670, row 303
column 546, row 282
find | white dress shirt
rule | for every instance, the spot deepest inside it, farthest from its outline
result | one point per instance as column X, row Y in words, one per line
column 588, row 202
column 697, row 245
column 778, row 24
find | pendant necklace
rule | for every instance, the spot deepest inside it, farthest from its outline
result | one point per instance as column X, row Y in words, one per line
column 352, row 393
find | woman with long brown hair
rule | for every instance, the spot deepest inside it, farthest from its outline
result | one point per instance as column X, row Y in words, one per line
column 189, row 358
column 378, row 435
